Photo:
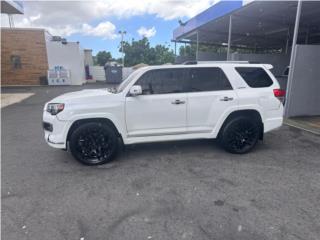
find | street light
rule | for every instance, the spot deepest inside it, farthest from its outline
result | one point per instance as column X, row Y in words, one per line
column 122, row 34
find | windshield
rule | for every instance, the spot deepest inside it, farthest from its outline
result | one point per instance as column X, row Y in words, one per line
column 125, row 83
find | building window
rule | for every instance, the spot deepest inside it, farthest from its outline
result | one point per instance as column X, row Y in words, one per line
column 15, row 62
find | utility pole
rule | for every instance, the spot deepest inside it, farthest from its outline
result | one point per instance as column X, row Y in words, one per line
column 292, row 58
column 122, row 35
column 229, row 39
column 197, row 47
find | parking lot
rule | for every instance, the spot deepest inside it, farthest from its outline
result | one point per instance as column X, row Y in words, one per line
column 172, row 190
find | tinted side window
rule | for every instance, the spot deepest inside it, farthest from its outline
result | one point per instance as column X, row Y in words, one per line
column 162, row 81
column 145, row 83
column 255, row 77
column 207, row 79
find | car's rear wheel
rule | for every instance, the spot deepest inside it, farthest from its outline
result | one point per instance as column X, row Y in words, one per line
column 240, row 135
column 94, row 143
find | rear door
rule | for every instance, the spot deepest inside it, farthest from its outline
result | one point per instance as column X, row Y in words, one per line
column 260, row 87
column 161, row 109
column 210, row 94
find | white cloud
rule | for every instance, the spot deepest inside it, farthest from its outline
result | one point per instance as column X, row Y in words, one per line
column 144, row 32
column 105, row 30
column 34, row 18
column 165, row 9
column 68, row 17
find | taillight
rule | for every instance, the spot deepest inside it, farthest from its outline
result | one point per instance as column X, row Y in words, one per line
column 280, row 94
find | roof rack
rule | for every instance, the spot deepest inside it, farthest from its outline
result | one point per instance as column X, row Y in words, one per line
column 189, row 63
column 206, row 62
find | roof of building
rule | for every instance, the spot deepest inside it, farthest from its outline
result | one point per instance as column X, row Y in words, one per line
column 22, row 29
column 11, row 7
column 264, row 24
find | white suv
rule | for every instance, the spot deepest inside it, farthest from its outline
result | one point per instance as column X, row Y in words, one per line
column 234, row 102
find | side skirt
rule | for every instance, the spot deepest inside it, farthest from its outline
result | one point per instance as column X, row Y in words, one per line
column 164, row 138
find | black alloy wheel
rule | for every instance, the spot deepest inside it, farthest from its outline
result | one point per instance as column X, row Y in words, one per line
column 240, row 135
column 94, row 143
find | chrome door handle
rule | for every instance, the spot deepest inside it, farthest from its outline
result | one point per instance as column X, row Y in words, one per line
column 178, row 102
column 225, row 99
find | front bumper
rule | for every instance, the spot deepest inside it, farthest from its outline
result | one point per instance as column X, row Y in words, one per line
column 57, row 135
column 48, row 136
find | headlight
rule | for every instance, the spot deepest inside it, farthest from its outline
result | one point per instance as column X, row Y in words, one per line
column 55, row 108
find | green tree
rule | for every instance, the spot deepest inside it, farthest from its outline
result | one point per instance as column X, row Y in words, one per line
column 103, row 57
column 139, row 51
column 188, row 51
column 163, row 54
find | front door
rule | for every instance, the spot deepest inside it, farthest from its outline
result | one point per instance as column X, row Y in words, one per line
column 161, row 109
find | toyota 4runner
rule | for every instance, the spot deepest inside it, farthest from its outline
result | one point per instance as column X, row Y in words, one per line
column 233, row 102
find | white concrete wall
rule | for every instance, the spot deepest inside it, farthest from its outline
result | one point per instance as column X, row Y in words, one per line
column 98, row 73
column 211, row 56
column 88, row 60
column 70, row 56
column 126, row 71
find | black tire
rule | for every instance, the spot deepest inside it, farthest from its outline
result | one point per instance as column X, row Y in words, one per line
column 240, row 135
column 94, row 143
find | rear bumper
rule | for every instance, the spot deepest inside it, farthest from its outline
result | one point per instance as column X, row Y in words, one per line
column 272, row 123
column 273, row 119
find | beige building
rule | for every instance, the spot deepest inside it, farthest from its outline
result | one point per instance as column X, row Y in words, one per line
column 29, row 54
column 23, row 56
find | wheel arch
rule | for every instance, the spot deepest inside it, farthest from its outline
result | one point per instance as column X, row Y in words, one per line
column 78, row 122
column 251, row 113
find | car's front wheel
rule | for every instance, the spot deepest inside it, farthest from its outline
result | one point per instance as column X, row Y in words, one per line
column 93, row 143
column 240, row 135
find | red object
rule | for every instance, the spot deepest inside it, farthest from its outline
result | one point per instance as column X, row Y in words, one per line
column 60, row 107
column 279, row 92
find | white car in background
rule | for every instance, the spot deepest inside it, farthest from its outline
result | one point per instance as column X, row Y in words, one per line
column 234, row 102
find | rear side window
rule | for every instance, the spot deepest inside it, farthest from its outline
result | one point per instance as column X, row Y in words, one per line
column 207, row 79
column 255, row 77
column 162, row 81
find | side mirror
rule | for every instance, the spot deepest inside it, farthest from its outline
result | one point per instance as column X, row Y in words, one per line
column 135, row 90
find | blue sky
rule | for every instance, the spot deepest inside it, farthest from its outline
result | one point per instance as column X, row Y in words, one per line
column 95, row 23
column 164, row 29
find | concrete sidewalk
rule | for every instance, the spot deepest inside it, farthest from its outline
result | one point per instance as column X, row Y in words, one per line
column 12, row 98
column 310, row 124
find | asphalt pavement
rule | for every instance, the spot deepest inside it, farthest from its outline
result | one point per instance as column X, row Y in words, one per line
column 173, row 190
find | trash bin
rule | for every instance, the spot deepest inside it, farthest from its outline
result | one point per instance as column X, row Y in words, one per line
column 113, row 74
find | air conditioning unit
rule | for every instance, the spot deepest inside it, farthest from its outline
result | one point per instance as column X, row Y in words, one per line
column 56, row 38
